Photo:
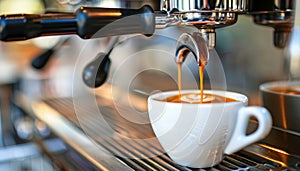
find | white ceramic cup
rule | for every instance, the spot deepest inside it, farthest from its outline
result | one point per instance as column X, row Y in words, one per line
column 198, row 135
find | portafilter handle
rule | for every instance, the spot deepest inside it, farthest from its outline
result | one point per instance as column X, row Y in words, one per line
column 85, row 22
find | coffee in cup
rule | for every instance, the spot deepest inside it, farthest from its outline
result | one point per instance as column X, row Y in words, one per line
column 198, row 98
column 198, row 134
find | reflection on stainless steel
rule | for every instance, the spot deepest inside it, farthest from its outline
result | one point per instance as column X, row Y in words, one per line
column 56, row 5
column 278, row 14
column 192, row 43
column 95, row 154
column 129, row 141
column 205, row 15
column 29, row 157
column 246, row 64
column 294, row 46
column 284, row 107
column 208, row 15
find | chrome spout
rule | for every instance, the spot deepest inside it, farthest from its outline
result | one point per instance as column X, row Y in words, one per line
column 192, row 43
column 278, row 14
column 205, row 15
column 210, row 15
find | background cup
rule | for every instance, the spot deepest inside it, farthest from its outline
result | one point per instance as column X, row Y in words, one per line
column 284, row 108
column 197, row 135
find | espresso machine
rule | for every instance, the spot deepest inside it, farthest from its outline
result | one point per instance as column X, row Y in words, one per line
column 123, row 51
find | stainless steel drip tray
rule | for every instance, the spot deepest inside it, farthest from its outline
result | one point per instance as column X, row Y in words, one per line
column 107, row 150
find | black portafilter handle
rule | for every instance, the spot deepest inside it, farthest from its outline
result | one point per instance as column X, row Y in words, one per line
column 85, row 22
column 42, row 59
column 96, row 72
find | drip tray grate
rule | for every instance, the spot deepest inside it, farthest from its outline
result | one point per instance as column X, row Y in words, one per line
column 140, row 154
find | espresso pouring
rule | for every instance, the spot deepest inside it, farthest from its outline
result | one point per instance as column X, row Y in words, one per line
column 196, row 98
column 192, row 98
column 192, row 43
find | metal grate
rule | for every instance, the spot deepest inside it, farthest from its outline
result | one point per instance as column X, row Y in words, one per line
column 136, row 153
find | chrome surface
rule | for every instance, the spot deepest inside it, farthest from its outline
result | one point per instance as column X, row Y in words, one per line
column 203, row 14
column 192, row 43
column 281, row 21
column 75, row 138
column 294, row 46
column 29, row 156
column 129, row 145
column 278, row 14
column 189, row 5
column 246, row 68
column 67, row 5
column 284, row 107
column 206, row 21
column 208, row 15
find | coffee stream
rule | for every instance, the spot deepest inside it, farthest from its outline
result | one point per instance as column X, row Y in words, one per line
column 201, row 82
column 179, row 75
column 196, row 97
column 193, row 43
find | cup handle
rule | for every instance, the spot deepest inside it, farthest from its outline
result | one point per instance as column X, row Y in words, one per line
column 239, row 139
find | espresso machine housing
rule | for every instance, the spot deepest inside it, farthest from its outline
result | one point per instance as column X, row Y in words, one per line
column 207, row 16
column 204, row 15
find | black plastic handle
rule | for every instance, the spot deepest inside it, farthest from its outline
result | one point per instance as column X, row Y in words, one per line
column 25, row 26
column 91, row 20
column 96, row 72
column 85, row 22
column 41, row 60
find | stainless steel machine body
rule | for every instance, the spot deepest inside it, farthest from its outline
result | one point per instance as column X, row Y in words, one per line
column 246, row 52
